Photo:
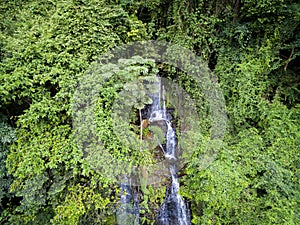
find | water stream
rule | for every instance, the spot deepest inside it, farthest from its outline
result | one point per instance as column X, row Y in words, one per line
column 174, row 210
column 128, row 212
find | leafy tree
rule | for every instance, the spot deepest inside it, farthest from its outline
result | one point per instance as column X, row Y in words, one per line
column 48, row 49
column 252, row 47
column 8, row 136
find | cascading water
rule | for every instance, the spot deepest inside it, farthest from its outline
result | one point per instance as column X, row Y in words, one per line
column 128, row 212
column 174, row 211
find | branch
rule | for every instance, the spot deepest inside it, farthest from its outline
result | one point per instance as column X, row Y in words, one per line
column 141, row 128
column 236, row 11
column 289, row 59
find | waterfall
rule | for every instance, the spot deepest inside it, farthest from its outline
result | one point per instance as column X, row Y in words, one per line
column 128, row 212
column 174, row 210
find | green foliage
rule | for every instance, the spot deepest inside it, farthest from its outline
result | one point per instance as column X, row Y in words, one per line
column 252, row 47
column 8, row 136
column 252, row 182
column 45, row 49
column 119, row 90
column 75, row 207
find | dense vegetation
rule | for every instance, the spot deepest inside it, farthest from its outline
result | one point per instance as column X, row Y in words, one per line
column 253, row 49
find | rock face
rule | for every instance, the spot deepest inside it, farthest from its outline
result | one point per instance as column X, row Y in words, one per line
column 145, row 123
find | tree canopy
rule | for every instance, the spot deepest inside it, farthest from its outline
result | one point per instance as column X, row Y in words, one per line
column 251, row 47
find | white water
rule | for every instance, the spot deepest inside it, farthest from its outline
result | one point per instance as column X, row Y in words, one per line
column 128, row 212
column 174, row 210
